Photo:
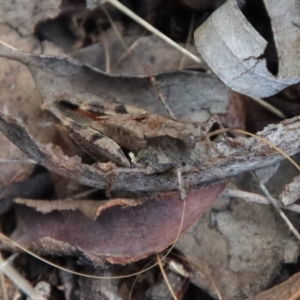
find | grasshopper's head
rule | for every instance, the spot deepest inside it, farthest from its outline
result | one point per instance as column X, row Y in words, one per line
column 192, row 133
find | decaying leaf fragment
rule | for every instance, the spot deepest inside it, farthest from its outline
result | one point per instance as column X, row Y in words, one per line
column 236, row 51
column 24, row 15
column 89, row 208
column 119, row 234
column 291, row 192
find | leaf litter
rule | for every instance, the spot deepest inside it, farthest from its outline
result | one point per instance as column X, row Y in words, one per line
column 53, row 155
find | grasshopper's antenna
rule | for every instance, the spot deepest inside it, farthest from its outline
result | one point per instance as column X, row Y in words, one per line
column 161, row 97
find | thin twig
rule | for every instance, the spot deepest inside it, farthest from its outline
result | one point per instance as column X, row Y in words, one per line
column 251, row 197
column 281, row 213
column 161, row 96
column 269, row 107
column 114, row 28
column 84, row 194
column 9, row 46
column 127, row 52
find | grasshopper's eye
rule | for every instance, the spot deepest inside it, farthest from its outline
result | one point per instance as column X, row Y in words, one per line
column 189, row 140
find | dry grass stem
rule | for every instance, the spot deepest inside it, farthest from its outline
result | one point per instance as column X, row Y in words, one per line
column 165, row 277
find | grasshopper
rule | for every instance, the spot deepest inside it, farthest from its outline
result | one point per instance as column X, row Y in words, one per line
column 111, row 127
column 154, row 142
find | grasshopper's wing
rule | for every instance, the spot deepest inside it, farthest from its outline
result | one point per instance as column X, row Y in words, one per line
column 126, row 130
column 94, row 143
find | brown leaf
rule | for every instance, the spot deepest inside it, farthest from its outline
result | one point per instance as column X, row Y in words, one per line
column 118, row 235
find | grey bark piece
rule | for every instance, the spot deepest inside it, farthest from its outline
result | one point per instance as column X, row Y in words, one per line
column 233, row 157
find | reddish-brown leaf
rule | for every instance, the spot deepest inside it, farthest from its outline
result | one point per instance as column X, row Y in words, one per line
column 119, row 235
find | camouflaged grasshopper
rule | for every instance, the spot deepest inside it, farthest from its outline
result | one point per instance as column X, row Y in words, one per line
column 102, row 130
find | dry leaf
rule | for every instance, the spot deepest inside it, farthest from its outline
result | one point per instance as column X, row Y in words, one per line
column 24, row 15
column 245, row 241
column 235, row 51
column 118, row 235
column 55, row 76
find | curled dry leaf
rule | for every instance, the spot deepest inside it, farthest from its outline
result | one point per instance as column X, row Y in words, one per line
column 118, row 235
column 235, row 51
